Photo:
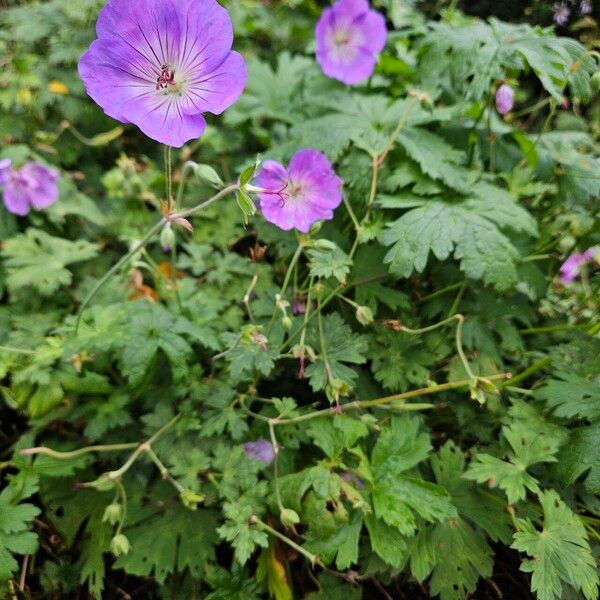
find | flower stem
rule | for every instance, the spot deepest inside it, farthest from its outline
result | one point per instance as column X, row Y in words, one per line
column 275, row 465
column 313, row 558
column 144, row 241
column 361, row 404
column 169, row 173
column 16, row 350
column 80, row 452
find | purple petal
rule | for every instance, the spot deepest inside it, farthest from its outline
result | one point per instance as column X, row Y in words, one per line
column 273, row 177
column 505, row 99
column 374, row 23
column 15, row 200
column 5, row 170
column 218, row 90
column 261, row 450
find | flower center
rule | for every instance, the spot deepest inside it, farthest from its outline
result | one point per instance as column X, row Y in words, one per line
column 166, row 80
column 341, row 38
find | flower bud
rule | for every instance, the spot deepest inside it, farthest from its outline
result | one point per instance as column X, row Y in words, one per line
column 364, row 315
column 103, row 484
column 120, row 545
column 289, row 517
column 207, row 174
column 323, row 244
column 287, row 323
column 505, row 99
column 113, row 514
column 167, row 237
column 190, row 499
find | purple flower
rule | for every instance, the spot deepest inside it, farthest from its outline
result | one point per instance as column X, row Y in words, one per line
column 298, row 307
column 505, row 99
column 350, row 37
column 585, row 8
column 32, row 186
column 572, row 266
column 349, row 476
column 5, row 170
column 261, row 450
column 308, row 191
column 160, row 64
column 561, row 13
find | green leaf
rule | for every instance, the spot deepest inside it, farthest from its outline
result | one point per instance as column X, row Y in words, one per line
column 442, row 229
column 163, row 543
column 237, row 530
column 334, row 436
column 38, row 260
column 528, row 448
column 570, row 395
column 329, row 263
column 560, row 553
column 15, row 522
column 152, row 328
column 386, row 541
column 341, row 346
column 580, row 456
column 399, row 497
column 234, row 585
column 342, row 545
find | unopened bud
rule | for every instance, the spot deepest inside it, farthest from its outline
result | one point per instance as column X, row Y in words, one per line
column 167, row 237
column 323, row 244
column 289, row 517
column 286, row 322
column 364, row 315
column 120, row 545
column 209, row 175
column 113, row 514
column 190, row 499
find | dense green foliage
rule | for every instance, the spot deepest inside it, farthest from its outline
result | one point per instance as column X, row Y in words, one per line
column 441, row 471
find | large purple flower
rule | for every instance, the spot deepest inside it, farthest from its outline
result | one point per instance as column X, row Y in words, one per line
column 306, row 192
column 350, row 37
column 160, row 64
column 571, row 268
column 33, row 186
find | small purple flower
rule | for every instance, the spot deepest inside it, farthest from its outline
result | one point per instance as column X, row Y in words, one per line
column 571, row 268
column 296, row 197
column 160, row 64
column 33, row 186
column 349, row 476
column 585, row 8
column 561, row 13
column 350, row 37
column 261, row 450
column 298, row 307
column 5, row 170
column 505, row 99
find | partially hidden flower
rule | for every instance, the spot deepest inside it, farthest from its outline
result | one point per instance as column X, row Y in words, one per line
column 585, row 8
column 561, row 13
column 5, row 170
column 261, row 450
column 32, row 186
column 161, row 64
column 571, row 268
column 350, row 37
column 350, row 477
column 306, row 192
column 505, row 99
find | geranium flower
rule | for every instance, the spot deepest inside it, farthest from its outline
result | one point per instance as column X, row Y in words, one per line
column 296, row 197
column 561, row 13
column 33, row 186
column 571, row 268
column 261, row 450
column 350, row 37
column 505, row 99
column 160, row 64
